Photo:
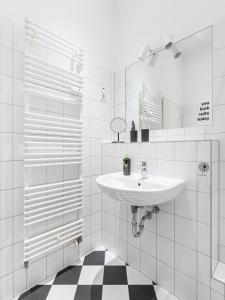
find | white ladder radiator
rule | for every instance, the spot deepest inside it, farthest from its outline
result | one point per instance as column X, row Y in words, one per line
column 53, row 139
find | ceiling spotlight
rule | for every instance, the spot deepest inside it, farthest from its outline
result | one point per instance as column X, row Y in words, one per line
column 176, row 52
column 169, row 45
column 144, row 52
column 173, row 47
column 167, row 40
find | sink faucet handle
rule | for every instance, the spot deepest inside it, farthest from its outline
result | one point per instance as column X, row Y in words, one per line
column 143, row 163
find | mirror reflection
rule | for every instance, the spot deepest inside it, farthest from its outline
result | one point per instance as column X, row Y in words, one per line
column 173, row 87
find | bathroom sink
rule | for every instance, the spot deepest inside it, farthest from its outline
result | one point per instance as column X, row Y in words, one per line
column 133, row 190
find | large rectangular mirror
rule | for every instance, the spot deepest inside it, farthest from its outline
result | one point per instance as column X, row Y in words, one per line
column 172, row 88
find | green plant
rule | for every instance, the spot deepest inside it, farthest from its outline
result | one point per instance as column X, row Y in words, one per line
column 125, row 162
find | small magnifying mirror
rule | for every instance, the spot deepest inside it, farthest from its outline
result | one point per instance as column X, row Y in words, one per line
column 118, row 125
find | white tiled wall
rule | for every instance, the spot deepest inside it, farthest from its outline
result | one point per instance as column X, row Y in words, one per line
column 218, row 129
column 96, row 113
column 174, row 249
column 214, row 132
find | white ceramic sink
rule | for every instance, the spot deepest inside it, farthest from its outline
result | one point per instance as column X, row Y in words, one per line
column 140, row 192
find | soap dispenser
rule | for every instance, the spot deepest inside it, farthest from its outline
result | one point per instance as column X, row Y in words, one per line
column 133, row 133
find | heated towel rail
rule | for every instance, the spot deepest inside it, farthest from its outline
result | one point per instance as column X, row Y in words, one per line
column 151, row 108
column 51, row 139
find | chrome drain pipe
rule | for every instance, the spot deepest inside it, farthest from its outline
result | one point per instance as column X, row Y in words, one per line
column 137, row 229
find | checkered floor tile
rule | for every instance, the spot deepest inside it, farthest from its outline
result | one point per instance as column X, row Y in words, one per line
column 100, row 276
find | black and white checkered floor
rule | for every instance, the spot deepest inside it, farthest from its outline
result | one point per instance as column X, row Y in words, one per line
column 100, row 276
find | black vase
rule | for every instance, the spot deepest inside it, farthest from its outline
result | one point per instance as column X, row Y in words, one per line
column 126, row 166
column 133, row 136
column 145, row 135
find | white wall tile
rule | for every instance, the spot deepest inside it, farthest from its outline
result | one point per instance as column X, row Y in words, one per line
column 204, row 269
column 6, row 287
column 6, row 261
column 18, row 65
column 204, row 238
column 5, row 89
column 218, row 125
column 121, row 229
column 219, row 90
column 19, row 281
column 218, row 35
column 85, row 246
column 121, row 210
column 203, row 151
column 5, row 61
column 18, row 92
column 18, row 38
column 6, row 236
column 185, row 287
column 186, row 171
column 148, row 242
column 186, row 204
column 165, row 256
column 216, row 296
column 218, row 62
column 96, row 240
column 185, row 232
column 165, row 168
column 131, row 239
column 121, row 249
column 133, row 257
column 185, row 151
column 165, row 276
column 165, row 151
column 110, row 223
column 5, row 118
column 203, row 292
column 18, row 230
column 18, row 255
column 6, row 146
column 18, row 119
column 165, row 225
column 54, row 262
column 110, row 242
column 185, row 260
column 6, row 204
column 203, row 207
column 18, row 179
column 96, row 222
column 148, row 266
column 96, row 202
column 36, row 272
column 6, row 31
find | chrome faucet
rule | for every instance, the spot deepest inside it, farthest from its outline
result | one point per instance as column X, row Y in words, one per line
column 144, row 169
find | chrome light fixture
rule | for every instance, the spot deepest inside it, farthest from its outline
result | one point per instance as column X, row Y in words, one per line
column 176, row 52
column 173, row 47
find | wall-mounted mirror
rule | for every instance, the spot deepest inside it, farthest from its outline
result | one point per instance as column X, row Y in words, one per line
column 173, row 87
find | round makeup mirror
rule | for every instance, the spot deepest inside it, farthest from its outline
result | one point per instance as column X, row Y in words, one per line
column 118, row 125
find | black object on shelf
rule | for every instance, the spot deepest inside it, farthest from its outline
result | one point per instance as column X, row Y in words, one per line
column 133, row 133
column 145, row 135
column 126, row 166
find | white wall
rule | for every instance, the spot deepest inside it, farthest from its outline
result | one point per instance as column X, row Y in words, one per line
column 96, row 116
column 174, row 250
column 86, row 23
column 141, row 21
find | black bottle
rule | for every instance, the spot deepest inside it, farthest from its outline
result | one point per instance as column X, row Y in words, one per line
column 126, row 166
column 133, row 133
